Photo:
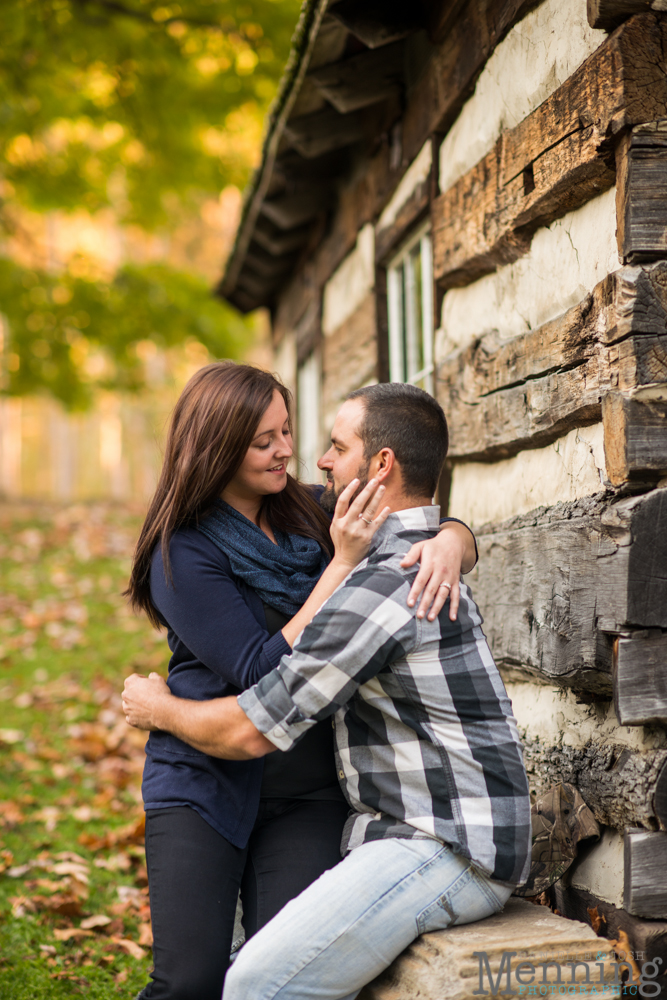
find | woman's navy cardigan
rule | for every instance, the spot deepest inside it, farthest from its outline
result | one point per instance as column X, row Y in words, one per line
column 220, row 646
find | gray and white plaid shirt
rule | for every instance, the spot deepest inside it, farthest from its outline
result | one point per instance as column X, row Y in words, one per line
column 427, row 745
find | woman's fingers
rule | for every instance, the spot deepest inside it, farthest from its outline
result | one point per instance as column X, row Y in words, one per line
column 434, row 584
column 343, row 502
column 409, row 559
column 371, row 492
column 454, row 596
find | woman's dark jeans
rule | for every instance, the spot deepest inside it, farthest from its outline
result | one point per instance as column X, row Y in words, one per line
column 195, row 876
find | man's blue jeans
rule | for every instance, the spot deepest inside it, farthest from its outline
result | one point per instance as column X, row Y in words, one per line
column 355, row 919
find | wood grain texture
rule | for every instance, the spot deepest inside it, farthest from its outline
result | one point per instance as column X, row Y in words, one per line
column 635, row 430
column 378, row 22
column 571, row 573
column 431, row 107
column 558, row 158
column 608, row 14
column 641, row 196
column 617, row 784
column 647, row 939
column 468, row 38
column 640, row 677
column 645, row 864
column 501, row 397
column 361, row 80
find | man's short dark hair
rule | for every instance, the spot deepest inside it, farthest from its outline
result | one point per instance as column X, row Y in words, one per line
column 410, row 422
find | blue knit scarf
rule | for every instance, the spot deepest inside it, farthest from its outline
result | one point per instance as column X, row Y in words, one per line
column 283, row 575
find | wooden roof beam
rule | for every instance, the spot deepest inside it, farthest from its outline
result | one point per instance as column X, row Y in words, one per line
column 314, row 135
column 294, row 210
column 378, row 22
column 363, row 80
column 278, row 241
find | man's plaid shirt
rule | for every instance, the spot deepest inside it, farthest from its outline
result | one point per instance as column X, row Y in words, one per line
column 427, row 745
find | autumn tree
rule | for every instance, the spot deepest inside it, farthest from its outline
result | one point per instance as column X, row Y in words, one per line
column 139, row 107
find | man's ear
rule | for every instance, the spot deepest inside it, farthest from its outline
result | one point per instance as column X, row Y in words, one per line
column 386, row 463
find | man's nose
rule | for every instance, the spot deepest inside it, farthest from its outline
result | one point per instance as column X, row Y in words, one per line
column 326, row 462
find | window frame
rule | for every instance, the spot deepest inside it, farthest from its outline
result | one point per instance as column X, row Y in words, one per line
column 403, row 334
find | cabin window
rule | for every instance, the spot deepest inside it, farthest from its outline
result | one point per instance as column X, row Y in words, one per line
column 309, row 403
column 410, row 309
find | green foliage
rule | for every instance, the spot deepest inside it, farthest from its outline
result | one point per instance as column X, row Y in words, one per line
column 71, row 336
column 122, row 103
column 59, row 689
column 146, row 107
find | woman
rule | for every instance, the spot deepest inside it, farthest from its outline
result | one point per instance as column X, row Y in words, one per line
column 235, row 557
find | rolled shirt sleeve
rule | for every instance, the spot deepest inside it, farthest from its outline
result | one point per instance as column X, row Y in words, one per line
column 363, row 626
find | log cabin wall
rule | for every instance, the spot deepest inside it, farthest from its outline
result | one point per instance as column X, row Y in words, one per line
column 528, row 143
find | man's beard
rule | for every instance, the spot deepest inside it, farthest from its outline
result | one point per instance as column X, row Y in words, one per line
column 329, row 497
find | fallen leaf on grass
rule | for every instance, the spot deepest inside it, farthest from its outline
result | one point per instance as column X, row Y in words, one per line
column 18, row 871
column 10, row 814
column 97, row 920
column 11, row 736
column 132, row 834
column 129, row 947
column 75, row 868
column 114, row 863
column 49, row 816
column 146, row 935
column 7, row 860
column 71, row 934
column 122, row 976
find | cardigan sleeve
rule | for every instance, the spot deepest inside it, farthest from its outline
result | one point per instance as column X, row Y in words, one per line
column 206, row 611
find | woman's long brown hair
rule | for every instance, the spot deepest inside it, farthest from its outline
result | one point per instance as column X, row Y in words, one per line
column 212, row 427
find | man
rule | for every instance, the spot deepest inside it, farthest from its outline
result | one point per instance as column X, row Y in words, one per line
column 427, row 748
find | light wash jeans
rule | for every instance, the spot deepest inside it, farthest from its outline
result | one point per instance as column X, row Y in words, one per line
column 355, row 919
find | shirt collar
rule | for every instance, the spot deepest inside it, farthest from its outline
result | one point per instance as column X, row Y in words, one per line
column 410, row 519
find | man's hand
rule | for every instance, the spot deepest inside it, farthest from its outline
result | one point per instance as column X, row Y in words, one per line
column 442, row 560
column 143, row 698
column 219, row 727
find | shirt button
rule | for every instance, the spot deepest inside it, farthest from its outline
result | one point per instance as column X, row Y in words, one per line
column 341, row 774
column 278, row 731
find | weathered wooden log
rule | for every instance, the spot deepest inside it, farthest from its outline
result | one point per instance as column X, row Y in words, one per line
column 608, row 14
column 640, row 677
column 635, row 430
column 646, row 939
column 551, row 582
column 319, row 133
column 558, row 158
column 645, row 864
column 279, row 241
column 622, row 787
column 641, row 193
column 501, row 397
column 432, row 106
column 378, row 22
column 293, row 210
column 362, row 80
column 466, row 40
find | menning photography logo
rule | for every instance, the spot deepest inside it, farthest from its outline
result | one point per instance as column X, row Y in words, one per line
column 578, row 975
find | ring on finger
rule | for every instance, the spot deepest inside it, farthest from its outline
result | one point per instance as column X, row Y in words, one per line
column 447, row 585
column 362, row 518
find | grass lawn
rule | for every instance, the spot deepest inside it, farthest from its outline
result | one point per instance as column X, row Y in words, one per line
column 74, row 915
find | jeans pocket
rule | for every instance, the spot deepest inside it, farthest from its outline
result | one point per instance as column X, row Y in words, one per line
column 469, row 898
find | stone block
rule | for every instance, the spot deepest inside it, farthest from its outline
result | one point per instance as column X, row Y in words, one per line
column 524, row 946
